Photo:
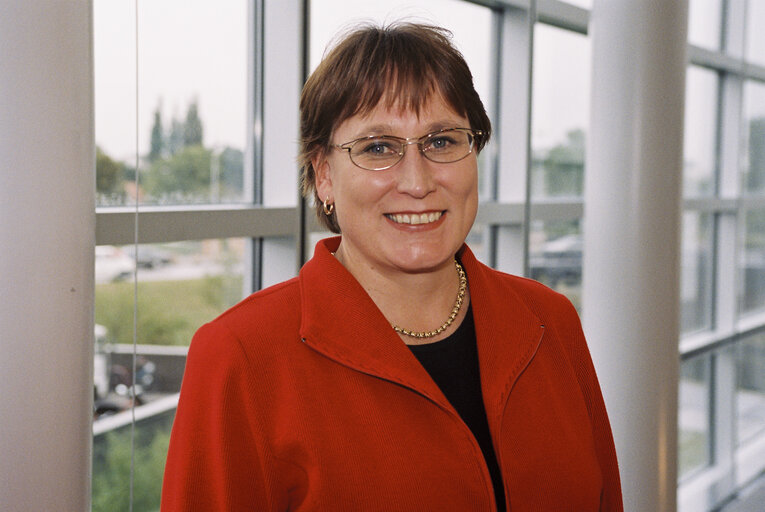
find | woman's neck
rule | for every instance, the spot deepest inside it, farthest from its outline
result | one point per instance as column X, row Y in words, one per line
column 415, row 301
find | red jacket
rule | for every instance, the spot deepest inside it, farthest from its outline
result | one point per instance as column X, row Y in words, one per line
column 302, row 397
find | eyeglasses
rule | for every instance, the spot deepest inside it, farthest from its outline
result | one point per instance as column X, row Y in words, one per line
column 379, row 152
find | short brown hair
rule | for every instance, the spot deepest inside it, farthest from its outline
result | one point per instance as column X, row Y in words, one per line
column 406, row 63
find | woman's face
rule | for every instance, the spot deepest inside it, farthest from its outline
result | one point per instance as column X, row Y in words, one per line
column 375, row 209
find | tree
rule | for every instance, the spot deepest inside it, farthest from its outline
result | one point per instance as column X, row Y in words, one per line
column 185, row 173
column 157, row 144
column 175, row 140
column 109, row 174
column 192, row 129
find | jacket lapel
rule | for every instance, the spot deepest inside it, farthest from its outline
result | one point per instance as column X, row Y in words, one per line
column 341, row 321
column 508, row 333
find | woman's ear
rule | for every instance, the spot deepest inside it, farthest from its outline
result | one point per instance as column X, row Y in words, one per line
column 323, row 177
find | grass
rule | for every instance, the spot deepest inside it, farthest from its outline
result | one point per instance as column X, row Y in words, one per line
column 168, row 312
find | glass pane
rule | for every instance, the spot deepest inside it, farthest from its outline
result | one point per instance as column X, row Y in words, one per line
column 696, row 284
column 755, row 32
column 754, row 128
column 180, row 286
column 191, row 119
column 752, row 262
column 555, row 257
column 704, row 21
column 560, row 112
column 700, row 132
column 693, row 415
column 750, row 387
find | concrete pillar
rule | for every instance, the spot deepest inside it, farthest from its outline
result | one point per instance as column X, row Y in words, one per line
column 47, row 232
column 632, row 235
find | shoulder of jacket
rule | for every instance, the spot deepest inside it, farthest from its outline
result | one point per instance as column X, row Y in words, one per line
column 274, row 310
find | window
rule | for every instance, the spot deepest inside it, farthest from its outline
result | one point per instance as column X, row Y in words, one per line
column 560, row 112
column 191, row 99
column 171, row 92
column 723, row 272
column 559, row 122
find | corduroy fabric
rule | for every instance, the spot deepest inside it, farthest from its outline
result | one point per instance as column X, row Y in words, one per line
column 302, row 398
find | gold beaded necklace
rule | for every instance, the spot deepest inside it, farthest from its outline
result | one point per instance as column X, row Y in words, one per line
column 452, row 316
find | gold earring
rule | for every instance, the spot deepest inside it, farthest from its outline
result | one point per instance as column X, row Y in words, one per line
column 328, row 207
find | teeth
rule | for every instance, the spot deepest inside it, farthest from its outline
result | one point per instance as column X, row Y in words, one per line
column 413, row 219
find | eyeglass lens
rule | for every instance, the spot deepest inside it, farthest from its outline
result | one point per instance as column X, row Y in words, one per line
column 379, row 153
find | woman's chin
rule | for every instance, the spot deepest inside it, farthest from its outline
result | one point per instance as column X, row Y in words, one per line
column 422, row 261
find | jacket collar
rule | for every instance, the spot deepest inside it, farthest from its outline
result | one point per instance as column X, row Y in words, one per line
column 341, row 321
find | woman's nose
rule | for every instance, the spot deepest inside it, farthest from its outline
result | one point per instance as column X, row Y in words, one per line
column 415, row 173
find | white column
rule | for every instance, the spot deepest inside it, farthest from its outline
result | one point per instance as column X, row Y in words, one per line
column 47, row 226
column 632, row 235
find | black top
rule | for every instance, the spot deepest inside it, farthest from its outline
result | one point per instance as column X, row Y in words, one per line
column 453, row 365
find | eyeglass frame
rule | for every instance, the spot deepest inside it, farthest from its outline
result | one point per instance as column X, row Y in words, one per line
column 405, row 142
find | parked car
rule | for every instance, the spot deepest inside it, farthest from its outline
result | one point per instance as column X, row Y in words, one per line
column 149, row 257
column 558, row 260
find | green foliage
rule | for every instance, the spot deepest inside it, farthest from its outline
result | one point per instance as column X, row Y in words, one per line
column 169, row 312
column 109, row 174
column 188, row 175
column 192, row 128
column 182, row 170
column 185, row 173
column 111, row 470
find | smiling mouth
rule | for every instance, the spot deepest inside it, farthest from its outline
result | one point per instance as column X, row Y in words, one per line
column 414, row 218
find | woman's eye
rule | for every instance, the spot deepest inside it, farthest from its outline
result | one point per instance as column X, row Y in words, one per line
column 441, row 142
column 377, row 148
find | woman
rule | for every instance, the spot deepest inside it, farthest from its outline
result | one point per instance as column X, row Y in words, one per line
column 396, row 372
